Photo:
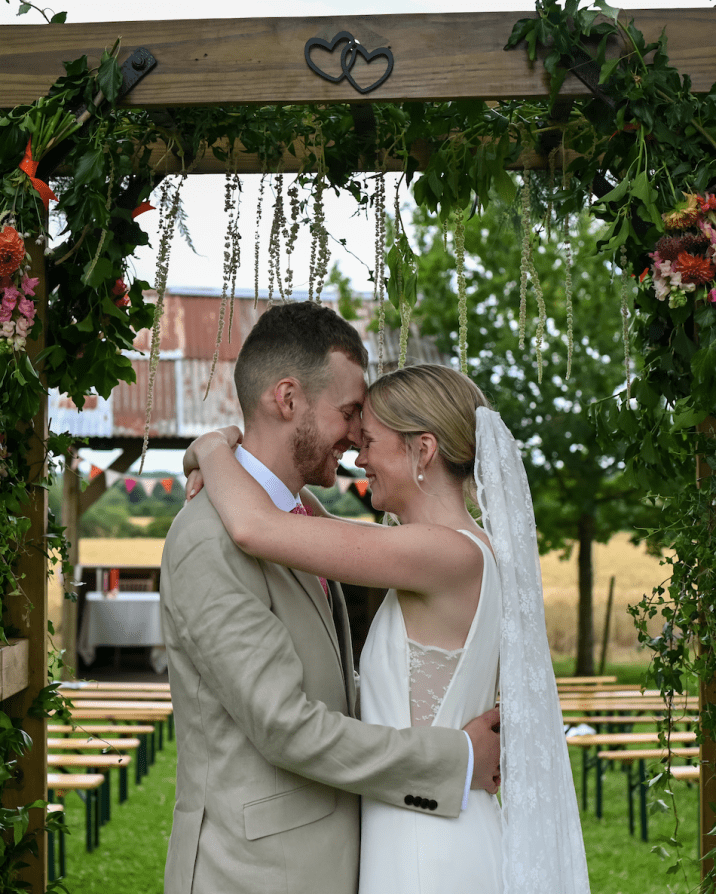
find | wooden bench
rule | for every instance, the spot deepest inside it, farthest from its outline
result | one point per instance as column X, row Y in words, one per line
column 95, row 684
column 147, row 713
column 585, row 681
column 98, row 744
column 58, row 784
column 624, row 720
column 628, row 757
column 606, row 740
column 146, row 753
column 97, row 763
column 142, row 695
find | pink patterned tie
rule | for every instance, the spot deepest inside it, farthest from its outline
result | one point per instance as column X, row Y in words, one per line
column 300, row 509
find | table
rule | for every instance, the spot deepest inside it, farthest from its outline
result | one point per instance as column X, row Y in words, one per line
column 131, row 619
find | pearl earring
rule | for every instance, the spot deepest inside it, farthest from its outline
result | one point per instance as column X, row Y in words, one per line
column 421, row 477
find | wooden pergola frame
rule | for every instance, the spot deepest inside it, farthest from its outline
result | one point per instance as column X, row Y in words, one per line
column 261, row 61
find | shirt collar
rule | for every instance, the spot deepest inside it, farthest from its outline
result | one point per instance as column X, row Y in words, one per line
column 274, row 487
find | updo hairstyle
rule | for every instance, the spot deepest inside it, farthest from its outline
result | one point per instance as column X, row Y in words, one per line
column 435, row 399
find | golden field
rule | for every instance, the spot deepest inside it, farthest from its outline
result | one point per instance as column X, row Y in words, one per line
column 635, row 571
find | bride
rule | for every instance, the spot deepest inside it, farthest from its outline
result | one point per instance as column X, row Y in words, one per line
column 459, row 603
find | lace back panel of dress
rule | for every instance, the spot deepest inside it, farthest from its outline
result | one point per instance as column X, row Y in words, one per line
column 431, row 670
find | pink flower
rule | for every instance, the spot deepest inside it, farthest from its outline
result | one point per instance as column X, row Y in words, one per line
column 5, row 315
column 712, row 296
column 22, row 326
column 28, row 284
column 27, row 308
column 8, row 301
column 7, row 329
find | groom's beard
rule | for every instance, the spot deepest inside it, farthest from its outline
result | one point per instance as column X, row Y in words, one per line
column 312, row 458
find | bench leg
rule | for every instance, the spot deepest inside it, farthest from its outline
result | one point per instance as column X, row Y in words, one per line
column 51, row 876
column 598, row 765
column 170, row 727
column 642, row 801
column 585, row 771
column 143, row 754
column 630, row 796
column 122, row 785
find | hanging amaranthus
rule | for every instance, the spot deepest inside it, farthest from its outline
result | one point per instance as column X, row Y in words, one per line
column 379, row 273
column 257, row 239
column 231, row 257
column 541, row 318
column 278, row 227
column 461, row 291
column 568, row 265
column 320, row 252
column 625, row 320
column 568, row 298
column 233, row 201
column 291, row 235
column 168, row 210
column 526, row 253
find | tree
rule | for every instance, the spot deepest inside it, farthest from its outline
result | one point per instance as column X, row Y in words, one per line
column 580, row 491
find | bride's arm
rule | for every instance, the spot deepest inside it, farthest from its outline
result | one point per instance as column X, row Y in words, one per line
column 418, row 558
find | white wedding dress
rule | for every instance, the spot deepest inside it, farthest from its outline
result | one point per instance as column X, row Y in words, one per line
column 407, row 684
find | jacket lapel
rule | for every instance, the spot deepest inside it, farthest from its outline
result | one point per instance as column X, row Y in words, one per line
column 337, row 626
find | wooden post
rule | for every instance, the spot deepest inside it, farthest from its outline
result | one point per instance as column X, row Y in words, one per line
column 31, row 781
column 707, row 696
column 607, row 623
column 70, row 521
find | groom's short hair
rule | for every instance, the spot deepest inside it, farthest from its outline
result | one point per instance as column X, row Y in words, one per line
column 293, row 340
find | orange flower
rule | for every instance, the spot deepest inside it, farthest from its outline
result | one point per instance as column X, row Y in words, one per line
column 685, row 216
column 12, row 251
column 698, row 271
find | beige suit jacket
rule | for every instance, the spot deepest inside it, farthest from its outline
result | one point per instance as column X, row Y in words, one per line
column 271, row 759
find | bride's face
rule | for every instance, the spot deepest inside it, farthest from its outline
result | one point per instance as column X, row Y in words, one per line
column 387, row 463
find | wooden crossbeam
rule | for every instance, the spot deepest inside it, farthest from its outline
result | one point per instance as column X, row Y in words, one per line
column 224, row 61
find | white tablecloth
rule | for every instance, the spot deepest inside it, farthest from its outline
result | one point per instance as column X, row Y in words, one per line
column 132, row 619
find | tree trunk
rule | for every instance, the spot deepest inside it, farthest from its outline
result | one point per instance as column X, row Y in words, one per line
column 585, row 618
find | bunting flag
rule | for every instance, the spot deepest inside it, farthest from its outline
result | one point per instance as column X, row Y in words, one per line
column 344, row 484
column 131, row 481
column 361, row 485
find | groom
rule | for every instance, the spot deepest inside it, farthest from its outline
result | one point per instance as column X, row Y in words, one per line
column 271, row 759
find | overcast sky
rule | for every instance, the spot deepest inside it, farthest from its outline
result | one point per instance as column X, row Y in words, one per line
column 203, row 196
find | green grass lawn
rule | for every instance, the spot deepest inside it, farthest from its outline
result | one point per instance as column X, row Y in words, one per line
column 133, row 845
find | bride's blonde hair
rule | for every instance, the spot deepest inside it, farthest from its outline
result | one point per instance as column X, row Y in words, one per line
column 435, row 399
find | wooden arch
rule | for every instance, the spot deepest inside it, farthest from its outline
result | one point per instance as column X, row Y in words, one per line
column 261, row 61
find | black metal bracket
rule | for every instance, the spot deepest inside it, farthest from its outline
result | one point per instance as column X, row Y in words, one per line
column 133, row 69
column 351, row 49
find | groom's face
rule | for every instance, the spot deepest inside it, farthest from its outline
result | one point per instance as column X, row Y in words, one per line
column 330, row 424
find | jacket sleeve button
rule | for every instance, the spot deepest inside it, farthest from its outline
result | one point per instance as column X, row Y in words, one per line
column 432, row 805
column 409, row 800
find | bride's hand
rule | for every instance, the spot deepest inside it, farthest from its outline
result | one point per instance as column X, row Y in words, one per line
column 203, row 445
column 194, row 484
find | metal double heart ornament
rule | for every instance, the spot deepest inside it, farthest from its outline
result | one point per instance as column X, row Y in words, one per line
column 349, row 53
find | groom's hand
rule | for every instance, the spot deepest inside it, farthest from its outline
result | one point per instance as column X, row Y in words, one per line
column 484, row 733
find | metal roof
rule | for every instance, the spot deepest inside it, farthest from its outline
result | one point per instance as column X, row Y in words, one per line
column 188, row 336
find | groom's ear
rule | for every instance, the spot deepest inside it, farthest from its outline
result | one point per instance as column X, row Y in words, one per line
column 287, row 397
